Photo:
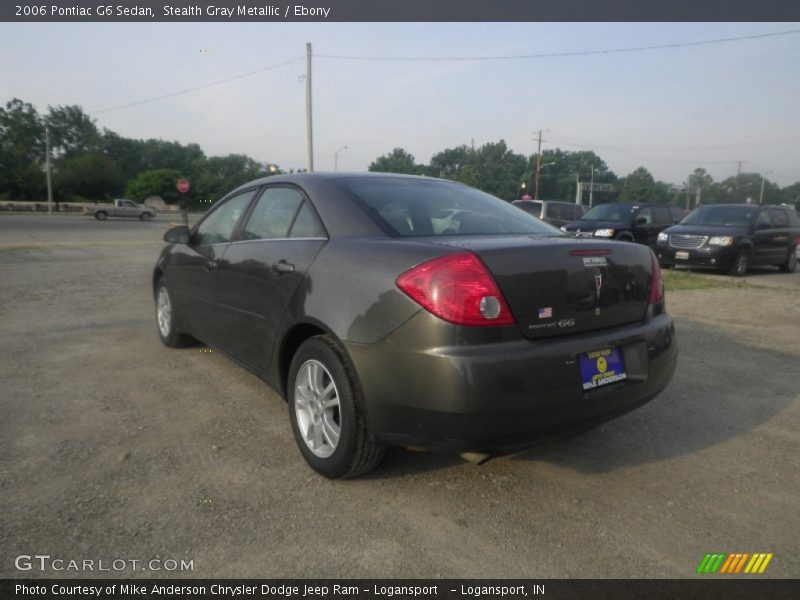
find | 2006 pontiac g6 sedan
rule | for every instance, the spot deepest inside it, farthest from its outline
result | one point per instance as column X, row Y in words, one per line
column 399, row 310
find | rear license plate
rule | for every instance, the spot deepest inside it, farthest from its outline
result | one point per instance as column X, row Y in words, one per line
column 601, row 368
column 681, row 255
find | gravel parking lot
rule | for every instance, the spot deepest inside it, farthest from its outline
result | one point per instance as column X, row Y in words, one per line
column 115, row 447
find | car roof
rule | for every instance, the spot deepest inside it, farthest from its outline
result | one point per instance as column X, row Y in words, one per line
column 316, row 176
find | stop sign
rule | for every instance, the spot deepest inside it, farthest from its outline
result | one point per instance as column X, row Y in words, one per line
column 183, row 186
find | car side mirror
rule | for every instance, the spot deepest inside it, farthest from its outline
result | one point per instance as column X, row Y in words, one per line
column 640, row 220
column 177, row 235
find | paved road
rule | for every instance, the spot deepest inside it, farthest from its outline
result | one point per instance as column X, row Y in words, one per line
column 44, row 230
column 115, row 447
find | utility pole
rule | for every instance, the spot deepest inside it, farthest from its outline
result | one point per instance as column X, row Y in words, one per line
column 309, row 124
column 738, row 172
column 591, row 190
column 578, row 190
column 538, row 165
column 47, row 168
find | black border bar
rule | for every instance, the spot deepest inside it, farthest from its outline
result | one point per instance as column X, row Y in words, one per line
column 707, row 588
column 402, row 10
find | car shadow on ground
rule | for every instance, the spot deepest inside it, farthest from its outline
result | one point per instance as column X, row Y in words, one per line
column 722, row 389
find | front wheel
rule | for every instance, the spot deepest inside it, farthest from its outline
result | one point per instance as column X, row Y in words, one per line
column 327, row 413
column 165, row 319
column 740, row 264
column 791, row 262
column 101, row 215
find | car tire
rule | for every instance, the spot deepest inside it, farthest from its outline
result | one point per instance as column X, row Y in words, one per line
column 166, row 322
column 145, row 216
column 327, row 412
column 740, row 264
column 791, row 262
column 624, row 237
column 101, row 215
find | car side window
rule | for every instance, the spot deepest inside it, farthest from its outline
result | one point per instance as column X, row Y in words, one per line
column 218, row 227
column 306, row 224
column 779, row 219
column 662, row 215
column 273, row 214
column 763, row 221
column 646, row 214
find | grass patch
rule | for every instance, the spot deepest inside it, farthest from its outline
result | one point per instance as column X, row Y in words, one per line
column 685, row 280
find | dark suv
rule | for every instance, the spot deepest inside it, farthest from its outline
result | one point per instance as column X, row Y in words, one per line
column 626, row 222
column 733, row 237
column 552, row 212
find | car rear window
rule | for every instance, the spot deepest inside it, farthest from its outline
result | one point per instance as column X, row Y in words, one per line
column 408, row 207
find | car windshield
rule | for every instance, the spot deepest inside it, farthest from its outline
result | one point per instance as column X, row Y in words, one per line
column 610, row 212
column 727, row 216
column 408, row 207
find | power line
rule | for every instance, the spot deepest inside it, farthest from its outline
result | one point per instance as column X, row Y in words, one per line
column 564, row 54
column 753, row 143
column 579, row 143
column 197, row 88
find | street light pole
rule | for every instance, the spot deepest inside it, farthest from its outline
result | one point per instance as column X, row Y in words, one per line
column 336, row 158
column 309, row 123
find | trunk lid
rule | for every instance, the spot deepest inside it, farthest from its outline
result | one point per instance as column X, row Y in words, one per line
column 562, row 286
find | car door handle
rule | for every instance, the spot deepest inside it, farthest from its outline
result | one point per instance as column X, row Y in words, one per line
column 282, row 266
column 211, row 265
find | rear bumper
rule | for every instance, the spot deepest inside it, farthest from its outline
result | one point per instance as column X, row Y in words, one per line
column 497, row 397
column 720, row 257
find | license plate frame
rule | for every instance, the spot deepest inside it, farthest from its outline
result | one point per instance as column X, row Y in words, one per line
column 602, row 367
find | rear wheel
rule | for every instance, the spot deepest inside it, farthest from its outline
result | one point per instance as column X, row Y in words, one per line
column 791, row 262
column 145, row 216
column 740, row 264
column 101, row 215
column 165, row 319
column 327, row 413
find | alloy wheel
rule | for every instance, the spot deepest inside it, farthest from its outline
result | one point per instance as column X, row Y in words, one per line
column 317, row 408
column 164, row 312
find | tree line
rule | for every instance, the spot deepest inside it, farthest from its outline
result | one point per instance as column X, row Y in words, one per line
column 496, row 169
column 90, row 164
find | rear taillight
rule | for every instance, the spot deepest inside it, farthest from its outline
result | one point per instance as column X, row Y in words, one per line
column 457, row 288
column 656, row 284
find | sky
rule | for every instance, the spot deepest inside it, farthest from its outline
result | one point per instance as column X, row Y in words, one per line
column 668, row 110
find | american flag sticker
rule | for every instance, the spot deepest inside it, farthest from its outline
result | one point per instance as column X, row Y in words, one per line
column 546, row 312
